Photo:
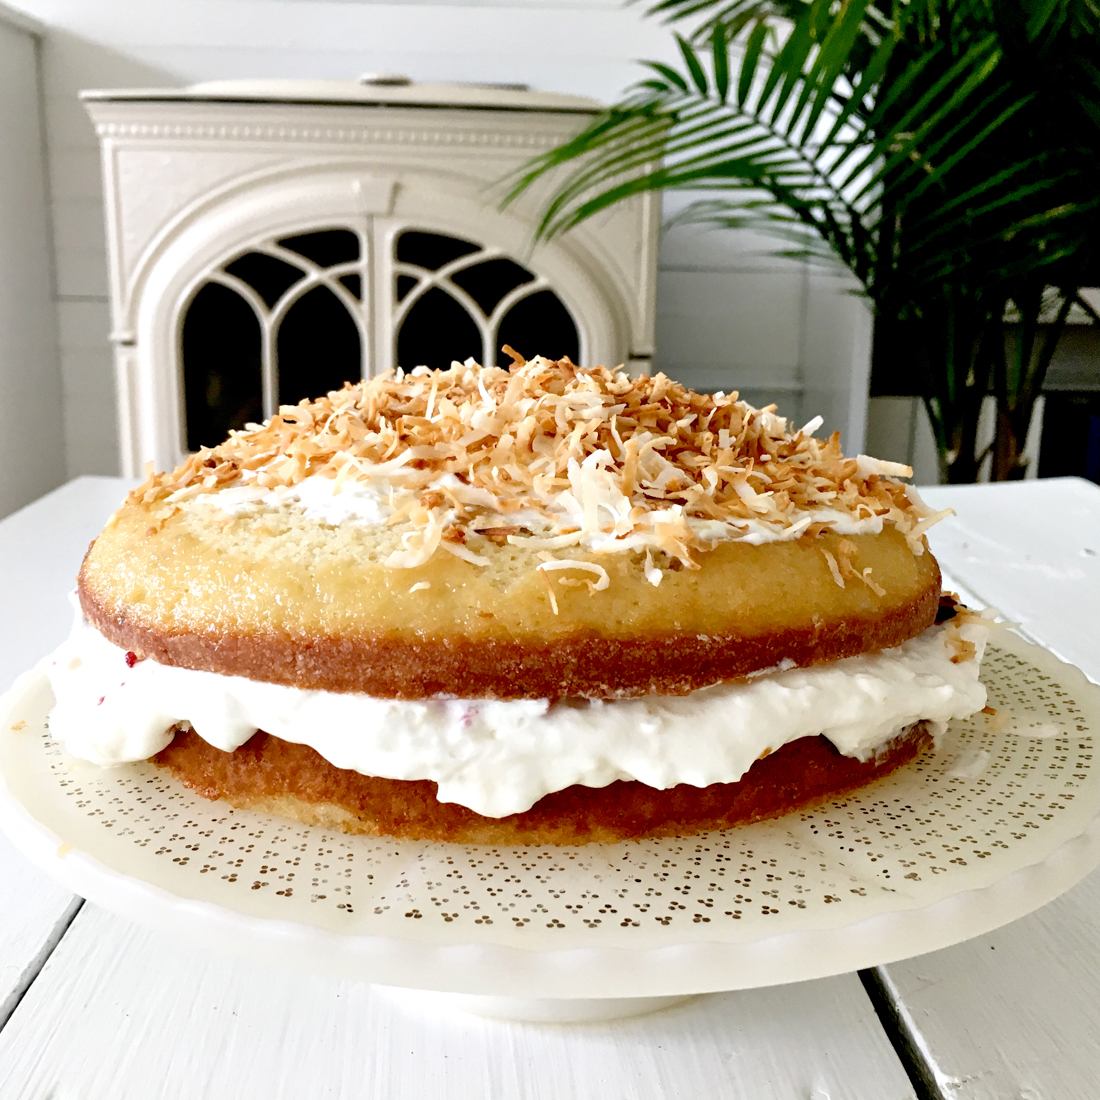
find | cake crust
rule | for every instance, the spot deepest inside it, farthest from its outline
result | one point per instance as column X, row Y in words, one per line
column 270, row 775
column 335, row 621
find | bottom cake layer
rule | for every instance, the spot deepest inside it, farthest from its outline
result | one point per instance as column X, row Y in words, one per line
column 293, row 781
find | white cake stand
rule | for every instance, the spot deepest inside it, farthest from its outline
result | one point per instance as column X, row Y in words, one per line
column 999, row 821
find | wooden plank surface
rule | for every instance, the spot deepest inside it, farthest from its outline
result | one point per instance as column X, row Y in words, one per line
column 1015, row 1015
column 120, row 1013
column 40, row 551
column 1032, row 550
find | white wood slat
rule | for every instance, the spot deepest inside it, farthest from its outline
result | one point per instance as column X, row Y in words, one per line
column 120, row 1013
column 1014, row 1015
column 40, row 551
column 34, row 912
column 1032, row 550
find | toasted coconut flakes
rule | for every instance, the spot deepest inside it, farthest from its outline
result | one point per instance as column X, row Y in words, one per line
column 963, row 649
column 498, row 535
column 652, row 573
column 571, row 563
column 833, row 567
column 914, row 533
column 549, row 590
column 879, row 467
column 558, row 542
column 642, row 460
column 414, row 555
column 874, row 586
column 844, row 552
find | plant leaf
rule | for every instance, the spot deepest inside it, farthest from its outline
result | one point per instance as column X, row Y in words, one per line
column 751, row 59
column 698, row 76
column 720, row 61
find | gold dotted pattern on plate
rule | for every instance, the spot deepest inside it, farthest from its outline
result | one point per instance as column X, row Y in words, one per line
column 925, row 832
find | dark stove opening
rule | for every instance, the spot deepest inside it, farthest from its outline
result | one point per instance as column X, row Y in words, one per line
column 317, row 347
column 436, row 331
column 267, row 275
column 540, row 325
column 315, row 329
column 222, row 381
column 489, row 281
column 486, row 300
column 431, row 251
column 326, row 247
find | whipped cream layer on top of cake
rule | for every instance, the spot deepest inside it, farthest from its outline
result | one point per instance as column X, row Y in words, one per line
column 375, row 500
column 501, row 757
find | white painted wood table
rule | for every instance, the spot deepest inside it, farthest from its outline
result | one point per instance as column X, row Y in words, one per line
column 94, row 1008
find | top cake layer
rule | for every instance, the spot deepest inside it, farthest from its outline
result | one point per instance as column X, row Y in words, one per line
column 543, row 531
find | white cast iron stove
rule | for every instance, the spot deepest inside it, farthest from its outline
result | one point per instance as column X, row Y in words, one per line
column 270, row 240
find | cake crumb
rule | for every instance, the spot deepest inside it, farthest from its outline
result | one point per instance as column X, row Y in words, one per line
column 963, row 649
column 19, row 724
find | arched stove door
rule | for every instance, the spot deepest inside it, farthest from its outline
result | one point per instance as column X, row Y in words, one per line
column 291, row 317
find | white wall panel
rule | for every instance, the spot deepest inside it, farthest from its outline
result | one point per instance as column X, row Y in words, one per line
column 88, row 375
column 699, row 247
column 733, row 330
column 836, row 355
column 31, row 452
column 75, row 174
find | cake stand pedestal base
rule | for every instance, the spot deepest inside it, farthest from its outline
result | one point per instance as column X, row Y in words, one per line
column 538, row 1010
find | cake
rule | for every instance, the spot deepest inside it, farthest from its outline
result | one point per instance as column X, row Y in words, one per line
column 538, row 605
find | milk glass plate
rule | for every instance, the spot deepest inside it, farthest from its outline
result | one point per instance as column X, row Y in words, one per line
column 999, row 821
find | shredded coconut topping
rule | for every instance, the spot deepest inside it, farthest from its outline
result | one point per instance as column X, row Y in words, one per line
column 550, row 455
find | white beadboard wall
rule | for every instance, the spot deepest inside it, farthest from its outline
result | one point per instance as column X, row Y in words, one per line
column 730, row 315
column 30, row 381
column 898, row 430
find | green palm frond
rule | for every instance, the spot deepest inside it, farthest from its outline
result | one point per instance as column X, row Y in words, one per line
column 946, row 151
column 681, row 129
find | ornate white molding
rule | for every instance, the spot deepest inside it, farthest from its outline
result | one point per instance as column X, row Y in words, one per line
column 329, row 135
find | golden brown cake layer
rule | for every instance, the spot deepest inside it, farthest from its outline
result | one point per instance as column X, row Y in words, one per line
column 274, row 776
column 280, row 599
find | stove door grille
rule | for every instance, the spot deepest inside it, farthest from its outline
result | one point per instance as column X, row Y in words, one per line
column 291, row 317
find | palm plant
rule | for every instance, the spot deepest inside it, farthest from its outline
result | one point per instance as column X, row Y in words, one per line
column 946, row 151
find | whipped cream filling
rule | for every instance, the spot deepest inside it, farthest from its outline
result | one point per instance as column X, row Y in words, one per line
column 592, row 514
column 500, row 758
